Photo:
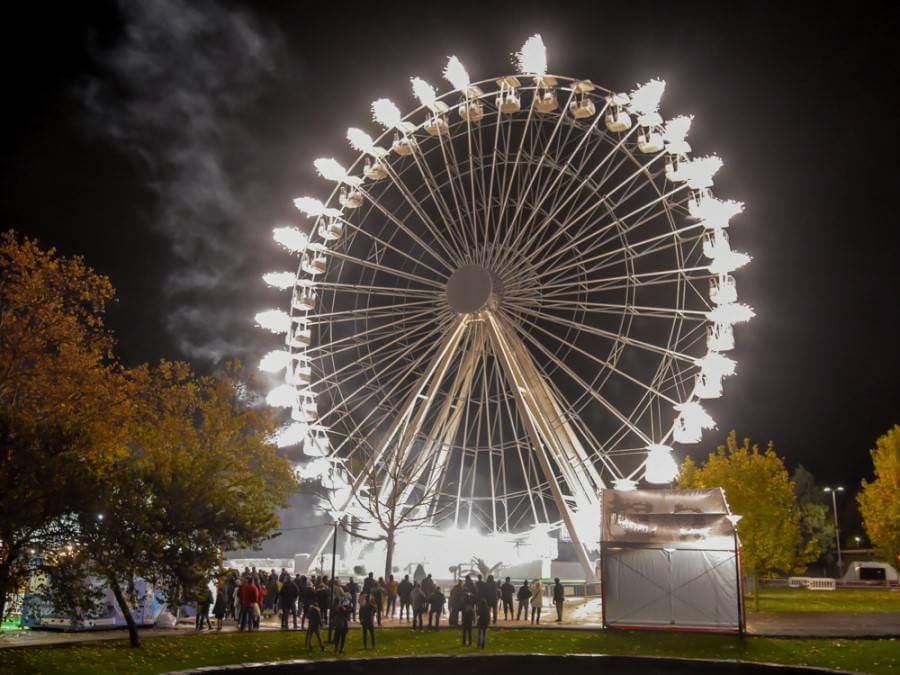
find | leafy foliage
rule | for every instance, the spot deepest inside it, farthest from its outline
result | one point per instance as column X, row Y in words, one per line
column 815, row 517
column 758, row 488
column 879, row 501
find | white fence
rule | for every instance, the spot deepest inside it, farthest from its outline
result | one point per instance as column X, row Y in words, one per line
column 813, row 583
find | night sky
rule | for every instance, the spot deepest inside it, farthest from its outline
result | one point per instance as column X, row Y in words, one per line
column 162, row 140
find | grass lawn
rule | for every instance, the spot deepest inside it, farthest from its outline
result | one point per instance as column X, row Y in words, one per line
column 843, row 600
column 161, row 654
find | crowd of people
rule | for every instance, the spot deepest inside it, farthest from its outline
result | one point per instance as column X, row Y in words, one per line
column 316, row 602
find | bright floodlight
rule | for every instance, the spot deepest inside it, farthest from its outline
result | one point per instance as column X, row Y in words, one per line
column 280, row 280
column 660, row 467
column 532, row 58
column 726, row 262
column 314, row 208
column 274, row 320
column 292, row 434
column 716, row 365
column 645, row 99
column 424, row 92
column 291, row 238
column 275, row 361
column 282, row 396
column 456, row 74
column 731, row 313
column 714, row 212
column 362, row 142
column 386, row 113
column 694, row 415
column 330, row 169
column 699, row 172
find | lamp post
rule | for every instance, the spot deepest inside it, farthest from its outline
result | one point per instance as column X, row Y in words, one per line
column 734, row 520
column 837, row 531
column 331, row 595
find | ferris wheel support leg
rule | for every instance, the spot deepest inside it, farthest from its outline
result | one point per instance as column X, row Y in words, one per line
column 537, row 427
column 406, row 422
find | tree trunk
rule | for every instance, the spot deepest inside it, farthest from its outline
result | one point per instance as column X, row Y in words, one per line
column 389, row 558
column 756, row 592
column 126, row 611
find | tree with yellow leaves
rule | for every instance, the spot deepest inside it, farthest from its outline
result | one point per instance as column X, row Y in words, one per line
column 879, row 501
column 757, row 487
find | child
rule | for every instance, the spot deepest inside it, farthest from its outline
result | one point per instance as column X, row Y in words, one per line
column 315, row 621
column 484, row 620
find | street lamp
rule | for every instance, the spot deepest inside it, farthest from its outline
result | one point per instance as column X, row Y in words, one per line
column 858, row 541
column 837, row 531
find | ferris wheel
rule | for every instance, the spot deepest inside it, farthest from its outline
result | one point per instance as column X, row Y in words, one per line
column 521, row 290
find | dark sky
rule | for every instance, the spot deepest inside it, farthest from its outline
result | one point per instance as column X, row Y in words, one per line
column 162, row 140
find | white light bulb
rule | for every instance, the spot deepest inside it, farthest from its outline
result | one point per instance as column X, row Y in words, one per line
column 274, row 320
column 386, row 113
column 291, row 238
column 280, row 280
column 424, row 92
column 716, row 364
column 660, row 466
column 275, row 361
column 645, row 99
column 532, row 58
column 282, row 396
column 727, row 262
column 731, row 313
column 456, row 74
column 714, row 212
column 292, row 434
column 699, row 172
column 362, row 142
column 330, row 169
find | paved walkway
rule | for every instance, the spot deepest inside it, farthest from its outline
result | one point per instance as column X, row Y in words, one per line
column 579, row 615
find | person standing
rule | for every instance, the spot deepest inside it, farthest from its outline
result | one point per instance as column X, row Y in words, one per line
column 323, row 597
column 204, row 601
column 313, row 624
column 537, row 601
column 484, row 620
column 559, row 597
column 287, row 598
column 377, row 596
column 391, row 596
column 237, row 605
column 230, row 585
column 524, row 596
column 419, row 604
column 428, row 586
column 454, row 602
column 436, row 607
column 353, row 589
column 367, row 621
column 368, row 582
column 468, row 618
column 404, row 592
column 507, row 591
column 341, row 623
column 249, row 604
column 309, row 597
column 220, row 605
column 492, row 595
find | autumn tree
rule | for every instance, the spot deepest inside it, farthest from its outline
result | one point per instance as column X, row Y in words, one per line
column 879, row 501
column 757, row 487
column 200, row 478
column 62, row 397
column 816, row 523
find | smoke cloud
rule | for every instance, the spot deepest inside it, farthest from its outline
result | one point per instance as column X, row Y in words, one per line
column 179, row 94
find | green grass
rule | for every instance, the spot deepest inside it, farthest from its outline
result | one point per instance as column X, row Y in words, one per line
column 161, row 654
column 843, row 600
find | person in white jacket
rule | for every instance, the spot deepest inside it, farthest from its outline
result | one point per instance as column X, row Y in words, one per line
column 537, row 601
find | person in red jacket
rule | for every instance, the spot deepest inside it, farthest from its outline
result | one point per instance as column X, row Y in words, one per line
column 249, row 603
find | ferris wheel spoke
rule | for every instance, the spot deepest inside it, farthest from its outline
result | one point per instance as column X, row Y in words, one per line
column 631, row 278
column 373, row 311
column 455, row 180
column 407, row 320
column 385, row 269
column 636, row 310
column 395, row 249
column 361, row 289
column 387, row 213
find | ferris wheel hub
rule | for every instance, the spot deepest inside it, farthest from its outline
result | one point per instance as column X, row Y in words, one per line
column 470, row 289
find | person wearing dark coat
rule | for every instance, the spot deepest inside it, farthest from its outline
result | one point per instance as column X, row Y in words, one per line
column 341, row 625
column 455, row 602
column 559, row 597
column 368, row 582
column 230, row 587
column 377, row 596
column 353, row 589
column 507, row 592
column 323, row 595
column 484, row 620
column 404, row 592
column 479, row 588
column 314, row 622
column 367, row 621
column 524, row 596
column 470, row 586
column 468, row 618
column 204, row 602
column 309, row 597
column 436, row 607
column 492, row 595
column 287, row 598
column 419, row 606
column 220, row 606
column 428, row 586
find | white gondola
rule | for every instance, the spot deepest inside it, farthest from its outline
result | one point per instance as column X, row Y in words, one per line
column 436, row 125
column 617, row 120
column 715, row 243
column 545, row 100
column 305, row 411
column 314, row 263
column 470, row 107
column 304, row 298
column 374, row 170
column 685, row 432
column 316, row 444
column 720, row 337
column 723, row 289
column 508, row 99
column 403, row 145
column 350, row 199
column 299, row 373
column 649, row 140
column 674, row 172
column 331, row 229
column 301, row 336
column 582, row 107
column 707, row 385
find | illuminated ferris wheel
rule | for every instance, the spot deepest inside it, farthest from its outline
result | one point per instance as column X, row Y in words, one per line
column 521, row 291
